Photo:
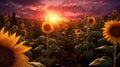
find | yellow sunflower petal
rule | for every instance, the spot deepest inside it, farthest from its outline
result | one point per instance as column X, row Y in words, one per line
column 111, row 31
column 14, row 40
column 21, row 61
column 2, row 30
column 6, row 34
column 12, row 50
column 20, row 48
column 13, row 36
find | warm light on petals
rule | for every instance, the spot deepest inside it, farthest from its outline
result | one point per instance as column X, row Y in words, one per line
column 47, row 28
column 111, row 31
column 11, row 52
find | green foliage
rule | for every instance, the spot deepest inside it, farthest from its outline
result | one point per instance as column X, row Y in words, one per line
column 79, row 47
column 105, row 48
column 101, row 62
column 38, row 49
column 63, row 47
column 88, row 54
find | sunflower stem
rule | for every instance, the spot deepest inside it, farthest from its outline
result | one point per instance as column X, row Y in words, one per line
column 114, row 56
column 118, row 55
column 47, row 44
column 87, row 35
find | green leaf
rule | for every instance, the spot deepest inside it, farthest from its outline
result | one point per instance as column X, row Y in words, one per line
column 100, row 62
column 105, row 48
column 52, row 41
column 41, row 38
column 107, row 58
column 88, row 54
column 96, row 34
column 46, row 52
column 79, row 47
column 102, row 40
column 48, row 61
column 39, row 59
column 38, row 49
column 92, row 45
column 53, row 47
column 36, row 64
column 82, row 34
column 28, row 53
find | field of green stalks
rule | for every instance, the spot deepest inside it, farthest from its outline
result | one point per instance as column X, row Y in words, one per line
column 75, row 43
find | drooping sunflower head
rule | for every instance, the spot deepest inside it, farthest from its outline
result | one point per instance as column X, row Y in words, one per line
column 111, row 31
column 91, row 21
column 15, row 27
column 114, row 12
column 47, row 28
column 11, row 52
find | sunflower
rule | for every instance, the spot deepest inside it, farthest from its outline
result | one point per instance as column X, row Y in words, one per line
column 11, row 52
column 77, row 31
column 6, row 17
column 91, row 21
column 65, row 26
column 114, row 12
column 15, row 27
column 21, row 23
column 30, row 21
column 111, row 31
column 84, row 15
column 8, row 23
column 47, row 28
column 24, row 32
column 76, row 23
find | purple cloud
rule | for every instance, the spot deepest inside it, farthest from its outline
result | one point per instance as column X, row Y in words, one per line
column 68, row 8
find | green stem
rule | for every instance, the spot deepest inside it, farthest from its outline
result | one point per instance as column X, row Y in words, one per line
column 118, row 55
column 114, row 56
column 87, row 35
column 47, row 36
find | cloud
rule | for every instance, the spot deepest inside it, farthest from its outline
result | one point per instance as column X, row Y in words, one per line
column 72, row 8
column 27, row 2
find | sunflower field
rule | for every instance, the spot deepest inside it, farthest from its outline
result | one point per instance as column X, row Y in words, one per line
column 89, row 42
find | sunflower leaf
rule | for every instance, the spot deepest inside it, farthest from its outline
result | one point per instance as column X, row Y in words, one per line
column 41, row 38
column 48, row 61
column 79, row 47
column 54, row 47
column 28, row 53
column 88, row 54
column 105, row 48
column 100, row 62
column 52, row 41
column 38, row 49
column 36, row 64
column 46, row 52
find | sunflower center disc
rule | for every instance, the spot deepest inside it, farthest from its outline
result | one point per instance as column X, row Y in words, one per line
column 47, row 27
column 115, row 31
column 6, row 57
column 91, row 21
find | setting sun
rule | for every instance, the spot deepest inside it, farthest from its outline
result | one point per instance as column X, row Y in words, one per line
column 53, row 17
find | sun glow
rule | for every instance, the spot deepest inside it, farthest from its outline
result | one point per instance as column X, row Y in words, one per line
column 53, row 17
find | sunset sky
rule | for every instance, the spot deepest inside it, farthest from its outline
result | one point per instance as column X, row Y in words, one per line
column 67, row 8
